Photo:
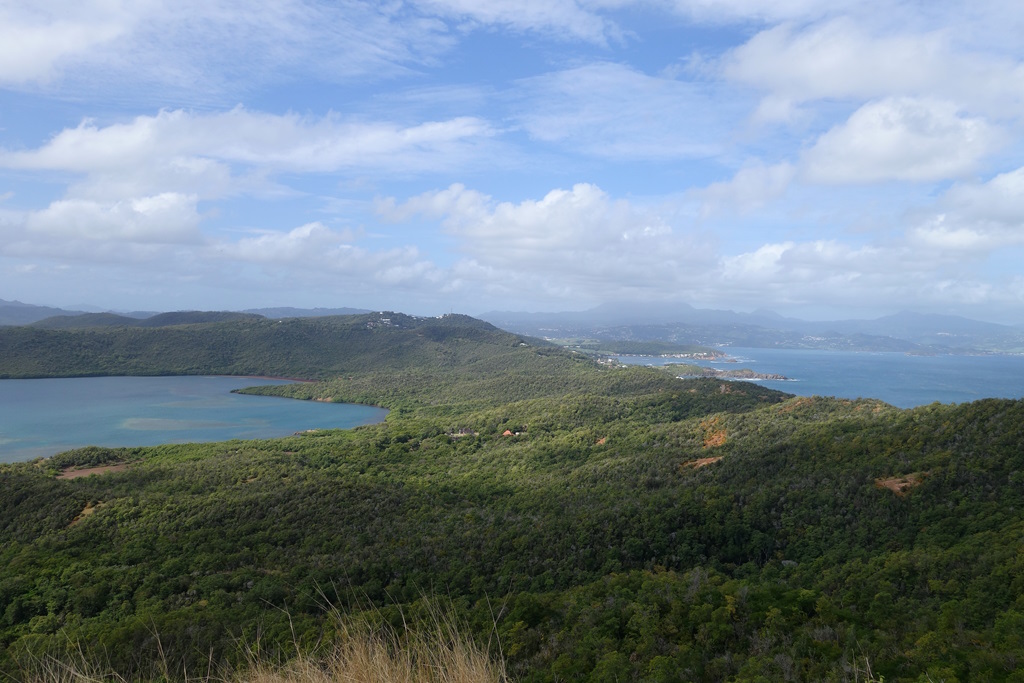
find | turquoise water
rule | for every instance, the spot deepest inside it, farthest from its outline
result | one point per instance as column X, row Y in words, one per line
column 40, row 417
column 896, row 378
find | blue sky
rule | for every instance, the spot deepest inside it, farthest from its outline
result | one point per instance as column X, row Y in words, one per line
column 823, row 160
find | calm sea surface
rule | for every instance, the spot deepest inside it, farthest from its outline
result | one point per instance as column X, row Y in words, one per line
column 901, row 380
column 40, row 417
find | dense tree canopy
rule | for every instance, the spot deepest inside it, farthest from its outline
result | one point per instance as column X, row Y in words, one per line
column 630, row 525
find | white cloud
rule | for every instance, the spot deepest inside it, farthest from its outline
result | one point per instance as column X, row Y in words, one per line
column 999, row 201
column 287, row 142
column 976, row 218
column 833, row 275
column 900, row 139
column 721, row 11
column 152, row 241
column 204, row 178
column 610, row 110
column 926, row 96
column 315, row 253
column 34, row 40
column 192, row 48
column 938, row 235
column 558, row 18
column 456, row 200
column 158, row 219
column 218, row 154
column 140, row 183
column 569, row 244
column 809, row 271
column 843, row 58
column 750, row 188
column 834, row 59
column 759, row 265
column 581, row 219
column 581, row 244
column 309, row 241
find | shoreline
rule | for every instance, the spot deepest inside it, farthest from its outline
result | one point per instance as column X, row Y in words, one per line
column 270, row 377
column 186, row 425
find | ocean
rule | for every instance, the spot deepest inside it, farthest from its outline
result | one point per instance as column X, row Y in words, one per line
column 899, row 379
column 40, row 417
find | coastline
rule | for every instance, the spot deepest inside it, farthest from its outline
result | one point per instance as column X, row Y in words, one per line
column 269, row 377
column 118, row 412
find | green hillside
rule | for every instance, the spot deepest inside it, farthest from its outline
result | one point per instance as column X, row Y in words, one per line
column 99, row 320
column 588, row 523
column 249, row 345
column 640, row 348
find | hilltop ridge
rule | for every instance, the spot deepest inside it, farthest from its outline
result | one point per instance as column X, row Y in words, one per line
column 244, row 344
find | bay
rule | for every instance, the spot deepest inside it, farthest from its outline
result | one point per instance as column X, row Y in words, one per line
column 902, row 380
column 41, row 417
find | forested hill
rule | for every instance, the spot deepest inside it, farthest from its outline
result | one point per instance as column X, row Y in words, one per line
column 94, row 320
column 589, row 523
column 251, row 345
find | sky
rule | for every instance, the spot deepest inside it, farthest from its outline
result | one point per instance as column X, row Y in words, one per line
column 826, row 160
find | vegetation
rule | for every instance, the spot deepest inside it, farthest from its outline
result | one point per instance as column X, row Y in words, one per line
column 588, row 522
column 361, row 652
column 92, row 320
column 250, row 345
column 632, row 347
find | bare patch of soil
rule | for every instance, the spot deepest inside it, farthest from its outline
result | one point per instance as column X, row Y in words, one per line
column 793, row 404
column 86, row 511
column 714, row 439
column 701, row 462
column 86, row 471
column 900, row 485
column 714, row 433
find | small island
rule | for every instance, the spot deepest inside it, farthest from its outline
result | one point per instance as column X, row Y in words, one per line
column 687, row 370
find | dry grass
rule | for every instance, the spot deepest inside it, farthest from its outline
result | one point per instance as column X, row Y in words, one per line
column 701, row 462
column 362, row 654
column 384, row 658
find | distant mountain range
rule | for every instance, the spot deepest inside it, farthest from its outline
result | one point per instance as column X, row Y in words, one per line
column 18, row 313
column 287, row 312
column 679, row 323
column 91, row 320
column 682, row 324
